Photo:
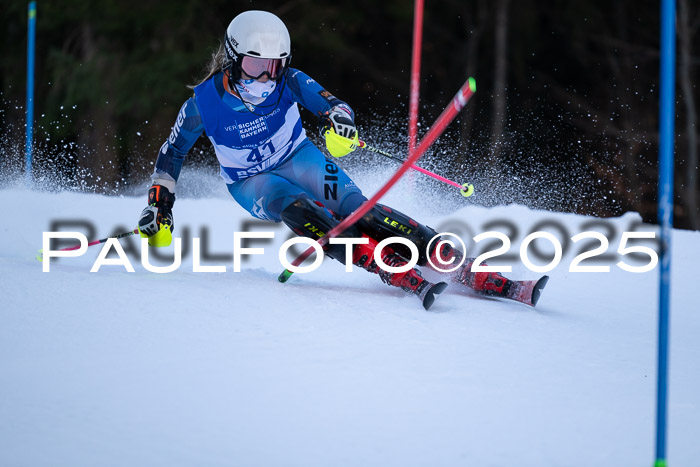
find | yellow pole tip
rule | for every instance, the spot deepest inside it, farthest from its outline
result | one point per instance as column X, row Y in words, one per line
column 468, row 190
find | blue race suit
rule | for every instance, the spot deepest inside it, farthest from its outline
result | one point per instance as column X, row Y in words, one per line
column 264, row 154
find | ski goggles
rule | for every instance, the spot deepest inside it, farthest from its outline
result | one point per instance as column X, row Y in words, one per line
column 256, row 67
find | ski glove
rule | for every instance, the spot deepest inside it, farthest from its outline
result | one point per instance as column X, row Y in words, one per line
column 338, row 127
column 156, row 222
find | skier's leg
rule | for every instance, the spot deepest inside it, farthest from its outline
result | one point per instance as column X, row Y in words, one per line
column 265, row 195
column 311, row 195
column 411, row 280
column 489, row 283
column 363, row 256
column 269, row 196
column 311, row 219
column 322, row 179
column 384, row 222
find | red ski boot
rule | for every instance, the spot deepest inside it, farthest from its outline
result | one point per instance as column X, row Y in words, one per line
column 411, row 281
column 489, row 283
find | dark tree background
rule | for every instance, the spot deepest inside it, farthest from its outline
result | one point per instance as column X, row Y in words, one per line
column 562, row 87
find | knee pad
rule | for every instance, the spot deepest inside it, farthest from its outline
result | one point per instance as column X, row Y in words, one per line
column 311, row 219
column 382, row 222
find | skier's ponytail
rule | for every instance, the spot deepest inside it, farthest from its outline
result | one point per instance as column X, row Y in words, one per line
column 217, row 63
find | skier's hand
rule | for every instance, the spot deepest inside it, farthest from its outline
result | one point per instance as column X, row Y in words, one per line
column 338, row 127
column 156, row 222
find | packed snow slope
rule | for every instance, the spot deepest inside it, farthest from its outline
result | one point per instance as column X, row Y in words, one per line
column 115, row 368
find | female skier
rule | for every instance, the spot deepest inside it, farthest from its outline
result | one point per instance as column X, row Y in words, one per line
column 247, row 105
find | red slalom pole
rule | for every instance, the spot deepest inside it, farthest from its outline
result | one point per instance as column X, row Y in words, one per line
column 415, row 74
column 458, row 102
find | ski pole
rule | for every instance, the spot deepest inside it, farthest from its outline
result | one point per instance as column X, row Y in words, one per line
column 459, row 101
column 467, row 189
column 40, row 255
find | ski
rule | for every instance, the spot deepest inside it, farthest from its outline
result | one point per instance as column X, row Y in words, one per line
column 527, row 292
column 430, row 293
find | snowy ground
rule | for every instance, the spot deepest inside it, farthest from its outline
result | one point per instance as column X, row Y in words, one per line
column 332, row 368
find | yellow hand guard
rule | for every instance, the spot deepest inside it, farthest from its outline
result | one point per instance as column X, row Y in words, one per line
column 339, row 146
column 164, row 236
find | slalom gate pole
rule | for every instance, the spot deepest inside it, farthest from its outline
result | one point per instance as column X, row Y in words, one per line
column 31, row 40
column 467, row 189
column 415, row 74
column 665, row 216
column 40, row 257
column 453, row 108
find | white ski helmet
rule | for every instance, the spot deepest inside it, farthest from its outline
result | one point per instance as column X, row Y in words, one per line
column 258, row 34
